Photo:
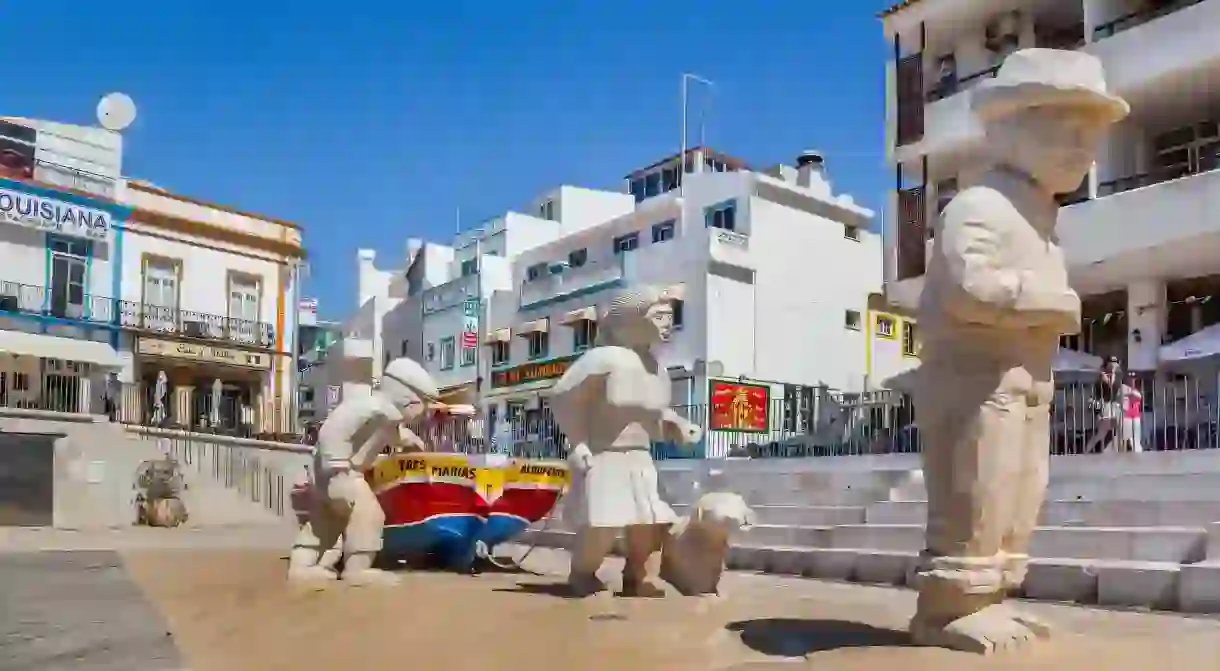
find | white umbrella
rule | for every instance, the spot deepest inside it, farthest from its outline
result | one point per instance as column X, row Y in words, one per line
column 214, row 418
column 1073, row 361
column 1199, row 345
column 159, row 398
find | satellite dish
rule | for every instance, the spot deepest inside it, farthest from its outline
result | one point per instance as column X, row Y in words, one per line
column 116, row 111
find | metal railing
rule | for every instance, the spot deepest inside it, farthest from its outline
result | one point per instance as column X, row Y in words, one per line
column 29, row 299
column 236, row 466
column 1140, row 17
column 1197, row 164
column 199, row 410
column 1179, row 414
column 52, row 386
column 171, row 320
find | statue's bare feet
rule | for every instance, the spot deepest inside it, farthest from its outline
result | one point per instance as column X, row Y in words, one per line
column 996, row 628
column 643, row 589
column 370, row 576
column 582, row 586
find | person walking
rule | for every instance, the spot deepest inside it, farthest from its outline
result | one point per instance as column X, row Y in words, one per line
column 1108, row 403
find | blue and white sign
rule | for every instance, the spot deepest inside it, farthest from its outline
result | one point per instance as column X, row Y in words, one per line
column 51, row 214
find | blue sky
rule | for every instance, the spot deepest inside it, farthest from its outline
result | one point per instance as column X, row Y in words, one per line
column 369, row 123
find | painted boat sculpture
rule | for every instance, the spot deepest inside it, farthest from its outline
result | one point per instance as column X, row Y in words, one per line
column 445, row 504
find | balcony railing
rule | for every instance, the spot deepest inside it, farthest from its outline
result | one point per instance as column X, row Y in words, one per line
column 28, row 299
column 953, row 84
column 1197, row 165
column 450, row 294
column 562, row 280
column 1140, row 17
column 168, row 320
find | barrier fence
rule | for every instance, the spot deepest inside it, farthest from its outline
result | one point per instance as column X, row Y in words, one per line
column 1176, row 414
column 1164, row 413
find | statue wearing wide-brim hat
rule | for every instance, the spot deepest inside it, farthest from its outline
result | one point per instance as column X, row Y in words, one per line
column 995, row 301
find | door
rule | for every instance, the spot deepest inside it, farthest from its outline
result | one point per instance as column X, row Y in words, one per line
column 27, row 479
column 160, row 307
column 69, row 263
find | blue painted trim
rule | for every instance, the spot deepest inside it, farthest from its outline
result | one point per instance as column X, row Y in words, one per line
column 116, row 211
column 48, row 319
column 116, row 280
column 47, row 239
column 585, row 291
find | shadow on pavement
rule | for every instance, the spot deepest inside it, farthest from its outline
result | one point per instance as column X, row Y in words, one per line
column 783, row 637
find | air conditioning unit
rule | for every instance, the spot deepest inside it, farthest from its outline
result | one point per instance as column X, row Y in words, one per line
column 196, row 329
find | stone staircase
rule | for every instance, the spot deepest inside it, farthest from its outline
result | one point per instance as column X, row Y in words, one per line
column 96, row 463
column 1120, row 530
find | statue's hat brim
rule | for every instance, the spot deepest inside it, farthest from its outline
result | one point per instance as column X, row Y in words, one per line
column 995, row 100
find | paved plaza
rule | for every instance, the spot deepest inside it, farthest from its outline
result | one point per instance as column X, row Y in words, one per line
column 217, row 600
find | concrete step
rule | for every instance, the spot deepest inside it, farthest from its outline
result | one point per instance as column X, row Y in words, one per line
column 803, row 515
column 1163, row 487
column 1148, row 584
column 788, row 487
column 1155, row 543
column 1103, row 513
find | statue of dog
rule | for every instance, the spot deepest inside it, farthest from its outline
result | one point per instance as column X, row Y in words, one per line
column 695, row 549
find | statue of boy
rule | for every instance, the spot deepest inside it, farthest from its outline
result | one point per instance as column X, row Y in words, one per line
column 996, row 300
column 343, row 504
column 612, row 405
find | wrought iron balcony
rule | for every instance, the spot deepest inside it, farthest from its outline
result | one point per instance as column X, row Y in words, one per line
column 63, row 303
column 168, row 320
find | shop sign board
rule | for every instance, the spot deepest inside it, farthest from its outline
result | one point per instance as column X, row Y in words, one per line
column 204, row 353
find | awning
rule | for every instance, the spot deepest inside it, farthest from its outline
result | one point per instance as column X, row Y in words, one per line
column 55, row 347
column 583, row 314
column 498, row 335
column 536, row 326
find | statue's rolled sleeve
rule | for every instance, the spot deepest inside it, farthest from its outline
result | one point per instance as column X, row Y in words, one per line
column 973, row 249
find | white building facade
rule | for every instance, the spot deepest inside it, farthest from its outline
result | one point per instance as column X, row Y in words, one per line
column 61, row 235
column 1142, row 234
column 208, row 296
column 771, row 273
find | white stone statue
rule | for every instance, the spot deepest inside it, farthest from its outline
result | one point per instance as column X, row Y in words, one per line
column 342, row 502
column 612, row 404
column 995, row 301
column 695, row 550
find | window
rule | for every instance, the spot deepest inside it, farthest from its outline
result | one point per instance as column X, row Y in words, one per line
column 626, row 243
column 852, row 320
column 470, row 267
column 547, row 210
column 447, row 351
column 243, row 307
column 160, row 294
column 946, row 189
column 578, row 258
column 584, row 334
column 669, row 179
column 851, row 232
column 69, row 263
column 501, row 352
column 910, row 346
column 652, row 184
column 534, row 272
column 406, row 347
column 468, row 355
column 884, row 326
column 723, row 216
column 679, row 308
column 637, row 189
column 663, row 231
column 539, row 343
column 430, row 351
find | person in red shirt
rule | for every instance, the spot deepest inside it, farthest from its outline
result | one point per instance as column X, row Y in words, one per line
column 1133, row 404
